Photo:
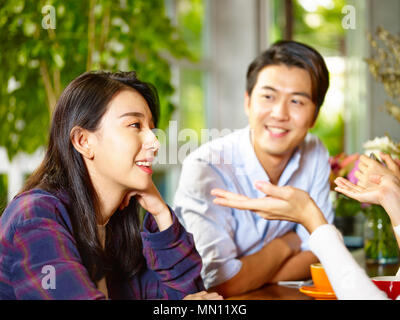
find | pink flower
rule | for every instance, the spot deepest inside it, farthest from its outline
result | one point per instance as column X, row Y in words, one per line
column 351, row 176
column 349, row 160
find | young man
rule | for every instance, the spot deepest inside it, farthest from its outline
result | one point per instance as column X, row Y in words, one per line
column 241, row 251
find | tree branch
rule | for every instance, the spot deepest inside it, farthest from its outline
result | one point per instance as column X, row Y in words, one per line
column 56, row 72
column 51, row 97
column 91, row 35
column 105, row 27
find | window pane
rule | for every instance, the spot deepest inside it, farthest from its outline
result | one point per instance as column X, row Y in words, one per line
column 191, row 106
column 316, row 23
column 191, row 16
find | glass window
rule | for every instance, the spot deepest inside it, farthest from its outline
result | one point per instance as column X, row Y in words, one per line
column 189, row 78
column 316, row 23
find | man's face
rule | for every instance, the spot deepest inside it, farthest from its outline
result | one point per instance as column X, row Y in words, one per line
column 280, row 110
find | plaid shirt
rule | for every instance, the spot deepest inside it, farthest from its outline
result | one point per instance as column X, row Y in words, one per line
column 36, row 239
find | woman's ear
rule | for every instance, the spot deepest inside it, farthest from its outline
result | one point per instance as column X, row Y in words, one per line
column 81, row 140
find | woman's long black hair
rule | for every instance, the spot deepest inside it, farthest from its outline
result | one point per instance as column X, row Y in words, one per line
column 83, row 103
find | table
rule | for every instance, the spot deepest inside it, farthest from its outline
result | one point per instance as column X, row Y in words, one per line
column 272, row 292
column 277, row 292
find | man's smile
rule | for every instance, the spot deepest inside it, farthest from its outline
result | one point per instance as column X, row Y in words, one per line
column 276, row 132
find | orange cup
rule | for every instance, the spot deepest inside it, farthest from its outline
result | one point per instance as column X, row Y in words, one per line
column 319, row 277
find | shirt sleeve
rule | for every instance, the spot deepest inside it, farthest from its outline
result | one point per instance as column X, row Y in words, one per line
column 319, row 190
column 46, row 263
column 212, row 226
column 348, row 279
column 172, row 260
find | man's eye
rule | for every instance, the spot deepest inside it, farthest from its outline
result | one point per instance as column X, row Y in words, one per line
column 297, row 102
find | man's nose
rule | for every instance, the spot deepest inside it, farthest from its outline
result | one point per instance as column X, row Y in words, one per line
column 280, row 110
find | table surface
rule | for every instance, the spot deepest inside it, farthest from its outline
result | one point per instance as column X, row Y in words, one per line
column 277, row 292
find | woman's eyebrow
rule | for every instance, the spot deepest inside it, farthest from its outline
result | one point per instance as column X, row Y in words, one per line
column 132, row 114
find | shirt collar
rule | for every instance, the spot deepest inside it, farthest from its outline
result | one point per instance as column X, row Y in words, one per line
column 251, row 166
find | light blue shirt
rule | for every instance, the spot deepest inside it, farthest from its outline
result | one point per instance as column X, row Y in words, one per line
column 222, row 235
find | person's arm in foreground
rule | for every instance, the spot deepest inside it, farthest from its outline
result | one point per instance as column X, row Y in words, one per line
column 383, row 190
column 260, row 267
column 348, row 279
column 368, row 167
column 376, row 184
column 46, row 263
column 169, row 252
column 213, row 228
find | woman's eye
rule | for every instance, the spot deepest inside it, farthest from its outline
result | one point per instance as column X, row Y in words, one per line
column 135, row 125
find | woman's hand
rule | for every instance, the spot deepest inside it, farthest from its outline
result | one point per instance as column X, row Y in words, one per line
column 371, row 194
column 281, row 203
column 382, row 189
column 151, row 200
column 204, row 295
column 368, row 167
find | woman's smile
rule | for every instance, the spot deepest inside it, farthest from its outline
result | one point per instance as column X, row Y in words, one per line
column 145, row 165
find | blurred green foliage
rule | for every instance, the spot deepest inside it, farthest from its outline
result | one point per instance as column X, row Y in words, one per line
column 322, row 29
column 191, row 20
column 3, row 191
column 37, row 63
column 192, row 101
column 331, row 132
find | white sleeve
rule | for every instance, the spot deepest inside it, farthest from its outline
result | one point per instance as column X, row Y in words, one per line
column 319, row 190
column 212, row 226
column 348, row 279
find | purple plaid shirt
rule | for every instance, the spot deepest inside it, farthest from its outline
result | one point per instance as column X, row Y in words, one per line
column 36, row 232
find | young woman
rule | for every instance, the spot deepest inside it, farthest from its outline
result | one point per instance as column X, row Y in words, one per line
column 74, row 231
column 379, row 185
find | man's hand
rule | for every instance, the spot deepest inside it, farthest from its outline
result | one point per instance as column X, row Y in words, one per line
column 293, row 241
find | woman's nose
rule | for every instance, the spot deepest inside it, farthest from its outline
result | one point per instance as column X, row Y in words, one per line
column 151, row 142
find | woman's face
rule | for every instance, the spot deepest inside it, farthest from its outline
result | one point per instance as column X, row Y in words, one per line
column 124, row 145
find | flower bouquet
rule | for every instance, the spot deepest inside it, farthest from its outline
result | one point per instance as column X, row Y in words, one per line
column 349, row 218
column 343, row 165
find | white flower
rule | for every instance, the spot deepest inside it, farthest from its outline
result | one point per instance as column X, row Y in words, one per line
column 382, row 144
